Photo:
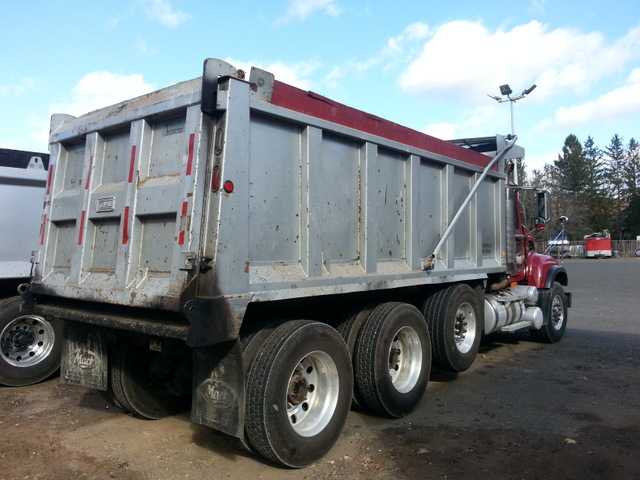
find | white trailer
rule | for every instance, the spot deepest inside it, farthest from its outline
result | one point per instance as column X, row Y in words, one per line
column 29, row 345
column 264, row 255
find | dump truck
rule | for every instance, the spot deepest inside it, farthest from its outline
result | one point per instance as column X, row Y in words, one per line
column 29, row 344
column 266, row 257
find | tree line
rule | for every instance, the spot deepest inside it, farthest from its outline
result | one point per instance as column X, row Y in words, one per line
column 596, row 188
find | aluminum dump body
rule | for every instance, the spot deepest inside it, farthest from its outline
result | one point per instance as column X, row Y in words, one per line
column 22, row 181
column 221, row 192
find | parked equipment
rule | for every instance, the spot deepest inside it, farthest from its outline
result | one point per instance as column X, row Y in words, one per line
column 598, row 245
column 29, row 345
column 265, row 256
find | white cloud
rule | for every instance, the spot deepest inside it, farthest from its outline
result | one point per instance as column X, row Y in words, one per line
column 162, row 11
column 611, row 107
column 94, row 90
column 396, row 51
column 445, row 131
column 537, row 162
column 463, row 60
column 474, row 123
column 142, row 46
column 414, row 32
column 24, row 85
column 100, row 89
column 300, row 10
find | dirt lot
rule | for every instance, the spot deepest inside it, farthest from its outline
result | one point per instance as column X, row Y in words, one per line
column 523, row 411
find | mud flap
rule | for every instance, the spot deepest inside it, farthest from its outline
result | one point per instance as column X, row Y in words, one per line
column 218, row 399
column 84, row 356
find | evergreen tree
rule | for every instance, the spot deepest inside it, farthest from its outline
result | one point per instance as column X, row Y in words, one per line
column 571, row 167
column 570, row 181
column 631, row 222
column 598, row 205
column 631, row 214
column 615, row 154
column 631, row 168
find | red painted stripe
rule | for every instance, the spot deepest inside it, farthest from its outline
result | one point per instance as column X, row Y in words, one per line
column 318, row 106
column 50, row 178
column 192, row 141
column 43, row 227
column 88, row 182
column 83, row 218
column 132, row 163
column 183, row 234
column 125, row 226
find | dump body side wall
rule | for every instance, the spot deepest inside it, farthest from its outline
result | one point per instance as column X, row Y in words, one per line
column 350, row 209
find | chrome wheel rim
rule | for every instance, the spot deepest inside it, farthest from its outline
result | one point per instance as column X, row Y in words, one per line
column 405, row 359
column 464, row 327
column 26, row 341
column 557, row 313
column 312, row 395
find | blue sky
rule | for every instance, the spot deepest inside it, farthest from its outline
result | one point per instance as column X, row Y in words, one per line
column 425, row 64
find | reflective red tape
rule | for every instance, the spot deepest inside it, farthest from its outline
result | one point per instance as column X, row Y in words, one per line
column 125, row 226
column 49, row 179
column 83, row 218
column 192, row 142
column 183, row 233
column 86, row 185
column 132, row 163
column 43, row 227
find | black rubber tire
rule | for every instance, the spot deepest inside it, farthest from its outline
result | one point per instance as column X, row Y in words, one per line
column 349, row 329
column 111, row 398
column 115, row 389
column 325, row 380
column 139, row 381
column 446, row 311
column 33, row 357
column 554, row 309
column 392, row 360
column 250, row 342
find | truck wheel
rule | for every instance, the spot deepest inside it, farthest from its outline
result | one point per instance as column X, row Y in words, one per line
column 30, row 345
column 554, row 309
column 298, row 393
column 148, row 384
column 349, row 329
column 111, row 398
column 250, row 342
column 453, row 316
column 392, row 359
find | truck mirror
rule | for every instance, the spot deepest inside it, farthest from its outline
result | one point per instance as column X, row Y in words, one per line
column 539, row 224
column 543, row 201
